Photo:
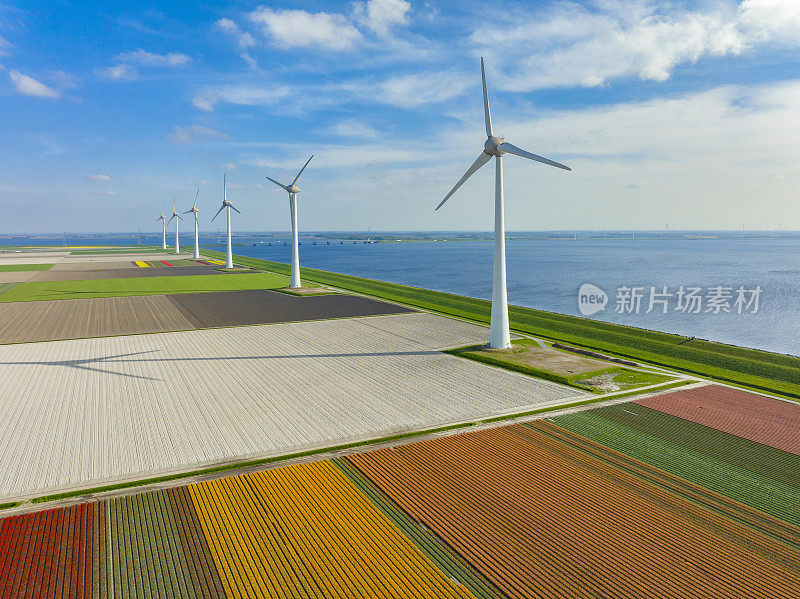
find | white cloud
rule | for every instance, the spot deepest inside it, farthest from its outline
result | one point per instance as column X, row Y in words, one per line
column 228, row 166
column 148, row 59
column 193, row 133
column 120, row 72
column 771, row 18
column 704, row 158
column 424, row 88
column 298, row 28
column 351, row 128
column 574, row 45
column 63, row 80
column 240, row 94
column 99, row 178
column 31, row 87
column 243, row 39
column 381, row 15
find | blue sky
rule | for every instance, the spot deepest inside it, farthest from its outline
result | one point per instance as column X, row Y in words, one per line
column 685, row 113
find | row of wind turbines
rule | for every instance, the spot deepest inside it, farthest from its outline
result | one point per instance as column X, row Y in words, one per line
column 494, row 147
column 227, row 205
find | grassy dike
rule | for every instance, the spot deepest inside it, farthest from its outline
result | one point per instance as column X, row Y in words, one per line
column 758, row 370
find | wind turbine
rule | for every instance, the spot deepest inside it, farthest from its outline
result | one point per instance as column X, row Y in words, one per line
column 177, row 218
column 293, row 191
column 163, row 220
column 499, row 335
column 196, row 234
column 228, row 205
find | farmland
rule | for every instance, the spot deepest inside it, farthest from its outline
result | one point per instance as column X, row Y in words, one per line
column 767, row 371
column 515, row 511
column 73, row 413
column 754, row 417
column 532, row 513
column 753, row 474
column 64, row 290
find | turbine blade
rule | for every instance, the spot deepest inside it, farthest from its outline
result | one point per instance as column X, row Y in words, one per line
column 301, row 170
column 281, row 185
column 512, row 149
column 482, row 159
column 195, row 199
column 486, row 102
column 218, row 211
column 234, row 207
column 170, row 219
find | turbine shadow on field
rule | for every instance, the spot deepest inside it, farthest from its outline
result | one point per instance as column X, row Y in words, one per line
column 124, row 358
column 82, row 364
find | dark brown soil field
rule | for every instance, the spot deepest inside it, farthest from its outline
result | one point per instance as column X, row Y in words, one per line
column 754, row 417
column 101, row 317
column 123, row 273
column 237, row 308
column 543, row 518
column 97, row 317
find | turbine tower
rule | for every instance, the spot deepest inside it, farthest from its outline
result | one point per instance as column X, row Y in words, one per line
column 228, row 205
column 196, row 230
column 177, row 217
column 499, row 335
column 293, row 191
column 163, row 220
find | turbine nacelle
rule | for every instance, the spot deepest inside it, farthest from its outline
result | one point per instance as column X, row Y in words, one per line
column 492, row 146
column 293, row 189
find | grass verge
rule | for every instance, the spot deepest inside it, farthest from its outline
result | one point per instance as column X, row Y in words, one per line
column 626, row 378
column 24, row 267
column 62, row 290
column 754, row 369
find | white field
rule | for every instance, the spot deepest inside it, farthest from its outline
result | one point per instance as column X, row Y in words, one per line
column 78, row 412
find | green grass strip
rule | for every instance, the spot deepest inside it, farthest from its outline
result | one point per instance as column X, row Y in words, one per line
column 755, row 369
column 9, row 504
column 753, row 474
column 24, row 267
column 62, row 290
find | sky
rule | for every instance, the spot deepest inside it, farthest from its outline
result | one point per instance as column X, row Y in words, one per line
column 679, row 114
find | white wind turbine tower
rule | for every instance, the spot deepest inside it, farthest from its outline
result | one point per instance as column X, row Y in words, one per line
column 177, row 218
column 499, row 335
column 293, row 191
column 196, row 230
column 163, row 220
column 228, row 205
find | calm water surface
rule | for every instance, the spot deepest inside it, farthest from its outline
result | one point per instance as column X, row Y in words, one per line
column 547, row 274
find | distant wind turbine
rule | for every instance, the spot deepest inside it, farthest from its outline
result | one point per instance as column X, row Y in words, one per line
column 163, row 220
column 177, row 218
column 228, row 205
column 499, row 335
column 196, row 230
column 293, row 191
